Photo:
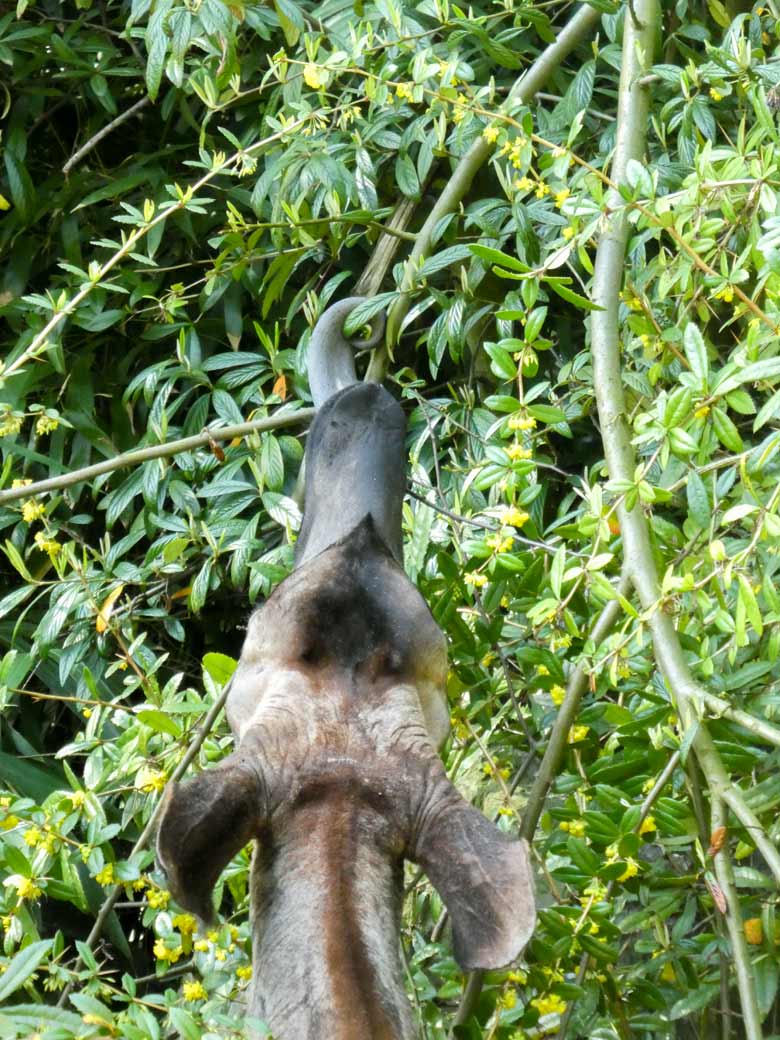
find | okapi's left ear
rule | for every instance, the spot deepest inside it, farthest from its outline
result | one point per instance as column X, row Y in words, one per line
column 484, row 878
column 204, row 823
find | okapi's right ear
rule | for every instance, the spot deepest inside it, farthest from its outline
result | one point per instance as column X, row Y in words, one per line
column 484, row 877
column 204, row 823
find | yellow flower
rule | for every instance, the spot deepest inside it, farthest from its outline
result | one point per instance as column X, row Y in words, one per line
column 405, row 91
column 632, row 869
column 549, row 1005
column 106, row 875
column 140, row 884
column 10, row 425
column 518, row 421
column 490, row 133
column 32, row 510
column 87, row 713
column 4, row 203
column 517, row 451
column 647, row 825
column 244, row 972
column 542, row 189
column 47, row 545
column 202, row 945
column 26, row 889
column 499, row 543
column 21, row 482
column 164, row 953
column 524, row 184
column 509, row 998
column 150, row 780
column 557, row 693
column 194, row 991
column 561, row 196
column 314, row 77
column 568, row 233
column 46, row 425
column 578, row 733
column 542, row 669
column 726, row 294
column 186, row 923
column 702, row 412
column 514, row 517
column 8, row 922
column 715, row 94
column 77, row 799
column 476, row 579
column 158, row 898
column 220, row 955
column 33, row 837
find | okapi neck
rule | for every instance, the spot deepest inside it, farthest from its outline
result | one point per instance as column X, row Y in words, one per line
column 326, row 924
column 355, row 467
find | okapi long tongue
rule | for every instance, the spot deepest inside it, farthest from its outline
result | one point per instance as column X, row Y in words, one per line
column 354, row 468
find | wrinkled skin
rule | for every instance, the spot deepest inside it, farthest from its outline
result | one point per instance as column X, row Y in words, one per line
column 338, row 707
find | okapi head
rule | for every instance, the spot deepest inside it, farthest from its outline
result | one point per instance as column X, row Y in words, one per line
column 338, row 707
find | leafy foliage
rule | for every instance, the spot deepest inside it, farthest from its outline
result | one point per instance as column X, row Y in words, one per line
column 166, row 284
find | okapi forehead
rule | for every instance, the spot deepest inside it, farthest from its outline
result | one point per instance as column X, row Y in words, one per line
column 352, row 608
column 347, row 630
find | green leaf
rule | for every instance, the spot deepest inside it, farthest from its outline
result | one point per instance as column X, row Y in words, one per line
column 501, row 362
column 696, row 352
column 726, row 431
column 220, row 667
column 570, row 296
column 22, row 966
column 768, row 369
column 698, row 500
column 159, row 722
column 495, row 256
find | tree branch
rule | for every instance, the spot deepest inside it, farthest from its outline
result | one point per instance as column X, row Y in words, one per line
column 156, row 451
column 641, row 26
column 104, row 132
column 567, row 713
column 743, row 968
column 460, row 180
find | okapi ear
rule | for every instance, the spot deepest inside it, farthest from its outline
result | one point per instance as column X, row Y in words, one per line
column 485, row 880
column 204, row 823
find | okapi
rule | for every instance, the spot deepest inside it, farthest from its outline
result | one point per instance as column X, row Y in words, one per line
column 338, row 707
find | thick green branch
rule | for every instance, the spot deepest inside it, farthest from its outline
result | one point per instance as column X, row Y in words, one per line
column 459, row 183
column 156, row 451
column 743, row 967
column 641, row 26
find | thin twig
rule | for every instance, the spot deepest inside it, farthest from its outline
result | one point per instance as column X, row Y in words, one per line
column 157, row 451
column 567, row 713
column 148, row 832
column 104, row 132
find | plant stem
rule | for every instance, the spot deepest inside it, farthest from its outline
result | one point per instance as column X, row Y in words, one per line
column 567, row 713
column 641, row 25
column 743, row 968
column 460, row 180
column 156, row 451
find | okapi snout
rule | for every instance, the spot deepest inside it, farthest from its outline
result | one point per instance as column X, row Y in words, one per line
column 338, row 707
